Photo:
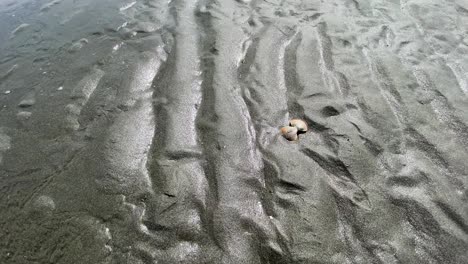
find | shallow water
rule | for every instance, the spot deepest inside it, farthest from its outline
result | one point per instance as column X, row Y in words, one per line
column 148, row 131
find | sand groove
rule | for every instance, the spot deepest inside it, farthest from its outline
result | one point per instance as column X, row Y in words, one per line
column 148, row 131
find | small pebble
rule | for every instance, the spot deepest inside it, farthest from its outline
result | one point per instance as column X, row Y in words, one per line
column 7, row 92
column 60, row 88
column 27, row 103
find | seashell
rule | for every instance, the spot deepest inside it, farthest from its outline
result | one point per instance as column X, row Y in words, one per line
column 290, row 133
column 300, row 124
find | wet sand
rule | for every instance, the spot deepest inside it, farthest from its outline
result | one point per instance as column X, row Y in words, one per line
column 148, row 131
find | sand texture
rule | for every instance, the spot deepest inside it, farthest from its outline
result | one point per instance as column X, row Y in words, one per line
column 148, row 131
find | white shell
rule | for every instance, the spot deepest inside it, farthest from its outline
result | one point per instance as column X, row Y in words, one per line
column 290, row 133
column 301, row 125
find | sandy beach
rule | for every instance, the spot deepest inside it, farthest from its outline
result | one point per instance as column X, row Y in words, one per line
column 148, row 131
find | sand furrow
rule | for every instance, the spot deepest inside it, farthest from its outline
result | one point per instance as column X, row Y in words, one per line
column 178, row 205
column 81, row 94
column 387, row 87
column 131, row 134
column 148, row 131
column 182, row 88
column 442, row 108
column 460, row 74
column 294, row 88
column 236, row 161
